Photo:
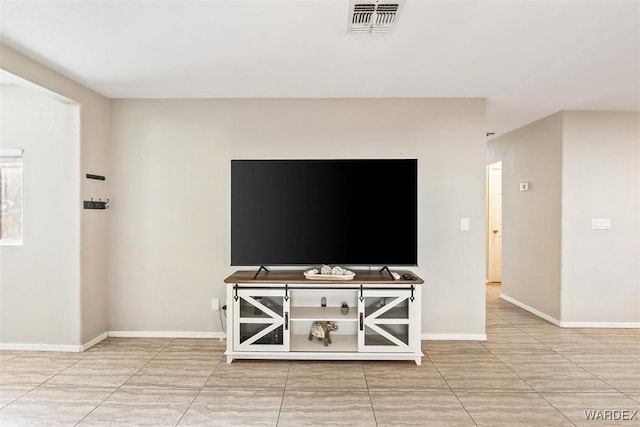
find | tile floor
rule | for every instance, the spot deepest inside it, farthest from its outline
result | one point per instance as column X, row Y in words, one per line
column 527, row 373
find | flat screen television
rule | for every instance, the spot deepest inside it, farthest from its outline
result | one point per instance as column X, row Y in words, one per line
column 311, row 212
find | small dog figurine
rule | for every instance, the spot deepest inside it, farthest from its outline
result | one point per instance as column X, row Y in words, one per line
column 322, row 331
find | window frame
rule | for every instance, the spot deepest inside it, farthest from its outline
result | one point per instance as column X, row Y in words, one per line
column 8, row 156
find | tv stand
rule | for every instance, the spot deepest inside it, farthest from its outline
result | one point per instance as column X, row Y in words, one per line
column 271, row 317
column 262, row 267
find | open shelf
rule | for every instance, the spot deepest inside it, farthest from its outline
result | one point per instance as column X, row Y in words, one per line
column 340, row 343
column 323, row 314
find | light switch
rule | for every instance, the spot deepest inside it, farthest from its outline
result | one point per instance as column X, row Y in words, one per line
column 600, row 223
column 524, row 186
column 464, row 224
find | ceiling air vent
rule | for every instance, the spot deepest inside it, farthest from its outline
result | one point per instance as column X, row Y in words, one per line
column 373, row 16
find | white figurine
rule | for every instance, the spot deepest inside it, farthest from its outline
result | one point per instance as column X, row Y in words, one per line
column 325, row 269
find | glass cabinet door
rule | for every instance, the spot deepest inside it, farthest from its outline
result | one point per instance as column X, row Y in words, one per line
column 261, row 320
column 384, row 323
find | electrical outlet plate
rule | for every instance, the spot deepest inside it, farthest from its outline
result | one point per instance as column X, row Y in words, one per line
column 215, row 304
column 600, row 223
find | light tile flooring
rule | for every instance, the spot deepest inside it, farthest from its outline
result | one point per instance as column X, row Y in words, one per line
column 528, row 373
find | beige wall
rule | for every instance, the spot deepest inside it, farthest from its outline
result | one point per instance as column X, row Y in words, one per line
column 601, row 179
column 531, row 220
column 171, row 181
column 93, row 158
column 39, row 280
column 581, row 165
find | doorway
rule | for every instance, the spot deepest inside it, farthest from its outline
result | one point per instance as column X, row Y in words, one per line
column 494, row 223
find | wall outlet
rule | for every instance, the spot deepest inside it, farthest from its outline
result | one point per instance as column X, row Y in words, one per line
column 464, row 224
column 524, row 186
column 600, row 223
column 215, row 304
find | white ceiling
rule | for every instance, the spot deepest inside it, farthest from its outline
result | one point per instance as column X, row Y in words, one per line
column 528, row 58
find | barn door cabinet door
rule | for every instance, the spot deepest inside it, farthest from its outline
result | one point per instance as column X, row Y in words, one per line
column 261, row 320
column 385, row 321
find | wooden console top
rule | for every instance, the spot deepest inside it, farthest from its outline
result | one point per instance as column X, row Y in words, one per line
column 297, row 276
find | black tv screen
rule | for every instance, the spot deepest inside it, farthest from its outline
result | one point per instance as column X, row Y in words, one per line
column 312, row 212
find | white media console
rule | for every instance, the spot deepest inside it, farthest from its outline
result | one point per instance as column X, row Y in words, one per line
column 270, row 316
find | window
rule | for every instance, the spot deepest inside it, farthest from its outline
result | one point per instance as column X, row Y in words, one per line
column 10, row 196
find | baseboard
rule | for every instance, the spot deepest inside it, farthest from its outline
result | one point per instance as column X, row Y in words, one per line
column 166, row 334
column 620, row 325
column 41, row 347
column 54, row 347
column 96, row 340
column 530, row 309
column 99, row 338
column 454, row 337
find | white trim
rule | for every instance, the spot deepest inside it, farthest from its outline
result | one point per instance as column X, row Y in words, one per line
column 167, row 334
column 530, row 309
column 11, row 152
column 41, row 347
column 99, row 338
column 11, row 243
column 634, row 325
column 620, row 325
column 96, row 340
column 454, row 337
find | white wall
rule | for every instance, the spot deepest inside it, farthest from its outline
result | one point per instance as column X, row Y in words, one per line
column 40, row 280
column 93, row 158
column 531, row 220
column 601, row 179
column 170, row 218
